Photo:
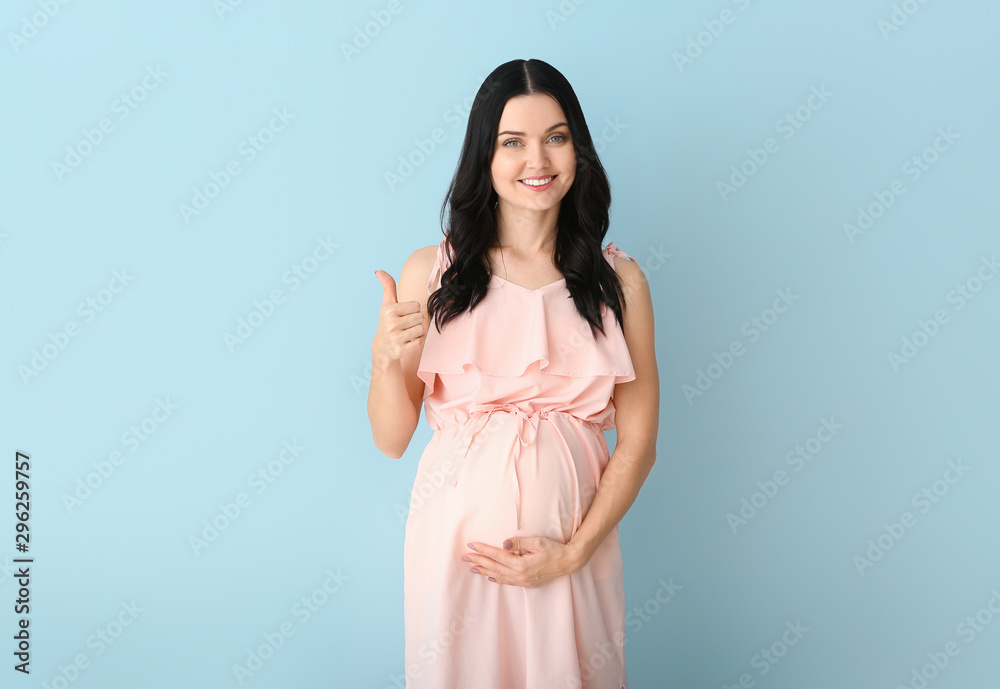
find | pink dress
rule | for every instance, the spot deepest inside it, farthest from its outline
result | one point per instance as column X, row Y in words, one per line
column 519, row 396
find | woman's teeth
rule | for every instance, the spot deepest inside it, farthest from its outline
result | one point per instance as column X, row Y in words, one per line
column 538, row 182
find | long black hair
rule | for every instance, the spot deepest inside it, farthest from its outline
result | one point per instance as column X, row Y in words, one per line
column 470, row 204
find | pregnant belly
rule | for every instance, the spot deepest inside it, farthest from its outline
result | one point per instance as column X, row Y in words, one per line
column 509, row 474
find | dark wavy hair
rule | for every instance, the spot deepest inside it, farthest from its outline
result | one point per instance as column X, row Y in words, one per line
column 470, row 204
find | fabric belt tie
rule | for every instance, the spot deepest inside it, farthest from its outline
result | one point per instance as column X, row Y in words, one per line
column 525, row 420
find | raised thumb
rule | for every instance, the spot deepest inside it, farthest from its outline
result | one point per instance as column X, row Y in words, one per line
column 388, row 287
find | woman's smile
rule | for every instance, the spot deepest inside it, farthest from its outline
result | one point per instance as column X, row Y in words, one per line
column 538, row 183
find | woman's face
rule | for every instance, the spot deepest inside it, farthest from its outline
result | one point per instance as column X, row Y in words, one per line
column 533, row 142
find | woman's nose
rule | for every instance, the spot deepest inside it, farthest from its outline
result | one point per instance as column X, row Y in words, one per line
column 537, row 158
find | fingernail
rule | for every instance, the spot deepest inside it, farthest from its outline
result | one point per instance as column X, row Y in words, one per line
column 466, row 558
column 507, row 545
column 492, row 579
column 474, row 570
column 471, row 546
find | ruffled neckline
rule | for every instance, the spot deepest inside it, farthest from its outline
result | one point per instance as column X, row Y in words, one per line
column 504, row 283
column 509, row 334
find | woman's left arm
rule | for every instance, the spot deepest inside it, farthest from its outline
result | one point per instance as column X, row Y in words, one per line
column 637, row 415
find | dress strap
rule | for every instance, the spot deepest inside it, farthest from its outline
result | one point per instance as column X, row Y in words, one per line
column 441, row 263
column 611, row 250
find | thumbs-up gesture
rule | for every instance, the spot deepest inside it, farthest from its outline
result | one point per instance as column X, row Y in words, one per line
column 400, row 325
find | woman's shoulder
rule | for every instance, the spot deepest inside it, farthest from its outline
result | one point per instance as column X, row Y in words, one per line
column 422, row 268
column 424, row 256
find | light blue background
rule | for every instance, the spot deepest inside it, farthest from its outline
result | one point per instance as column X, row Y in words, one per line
column 303, row 374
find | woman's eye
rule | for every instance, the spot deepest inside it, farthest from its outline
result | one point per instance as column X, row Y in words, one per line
column 560, row 138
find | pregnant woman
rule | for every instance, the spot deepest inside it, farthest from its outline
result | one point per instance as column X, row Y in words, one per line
column 524, row 340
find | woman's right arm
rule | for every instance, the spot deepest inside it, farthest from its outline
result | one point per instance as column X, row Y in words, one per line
column 396, row 393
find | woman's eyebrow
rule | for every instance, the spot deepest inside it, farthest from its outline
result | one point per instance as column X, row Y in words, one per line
column 561, row 124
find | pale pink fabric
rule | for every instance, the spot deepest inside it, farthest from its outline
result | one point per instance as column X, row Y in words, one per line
column 519, row 396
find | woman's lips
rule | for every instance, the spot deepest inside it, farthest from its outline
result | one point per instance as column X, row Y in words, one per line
column 542, row 187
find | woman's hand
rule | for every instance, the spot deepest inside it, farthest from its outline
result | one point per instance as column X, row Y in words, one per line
column 529, row 561
column 400, row 325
